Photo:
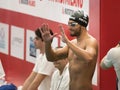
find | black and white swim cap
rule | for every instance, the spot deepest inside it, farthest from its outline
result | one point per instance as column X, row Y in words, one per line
column 80, row 17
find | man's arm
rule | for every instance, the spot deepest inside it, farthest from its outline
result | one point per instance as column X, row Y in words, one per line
column 28, row 81
column 53, row 55
column 102, row 64
column 36, row 82
column 88, row 54
column 33, row 81
column 106, row 62
column 108, row 59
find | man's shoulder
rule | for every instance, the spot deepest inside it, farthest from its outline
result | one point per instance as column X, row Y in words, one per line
column 56, row 73
column 92, row 38
column 114, row 50
column 91, row 41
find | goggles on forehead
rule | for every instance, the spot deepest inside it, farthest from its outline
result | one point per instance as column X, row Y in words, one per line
column 73, row 24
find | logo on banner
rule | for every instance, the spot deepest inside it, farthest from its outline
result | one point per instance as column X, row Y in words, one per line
column 67, row 10
column 2, row 38
column 28, row 2
column 32, row 48
column 75, row 3
column 17, row 41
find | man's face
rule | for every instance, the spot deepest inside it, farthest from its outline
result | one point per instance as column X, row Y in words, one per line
column 74, row 27
column 37, row 42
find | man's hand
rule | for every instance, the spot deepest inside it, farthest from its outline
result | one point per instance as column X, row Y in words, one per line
column 63, row 36
column 45, row 31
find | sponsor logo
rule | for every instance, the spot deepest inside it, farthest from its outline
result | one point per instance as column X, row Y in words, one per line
column 2, row 38
column 28, row 2
column 75, row 3
column 67, row 11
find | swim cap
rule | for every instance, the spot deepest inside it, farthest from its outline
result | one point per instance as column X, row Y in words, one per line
column 80, row 17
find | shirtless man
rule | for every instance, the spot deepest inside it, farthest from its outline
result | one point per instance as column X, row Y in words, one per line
column 81, row 52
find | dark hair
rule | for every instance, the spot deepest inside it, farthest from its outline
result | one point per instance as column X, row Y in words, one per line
column 38, row 33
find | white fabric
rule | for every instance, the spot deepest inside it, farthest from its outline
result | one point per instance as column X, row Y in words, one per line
column 19, row 88
column 118, row 85
column 45, row 67
column 113, row 59
column 2, row 72
column 60, row 82
column 2, row 75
